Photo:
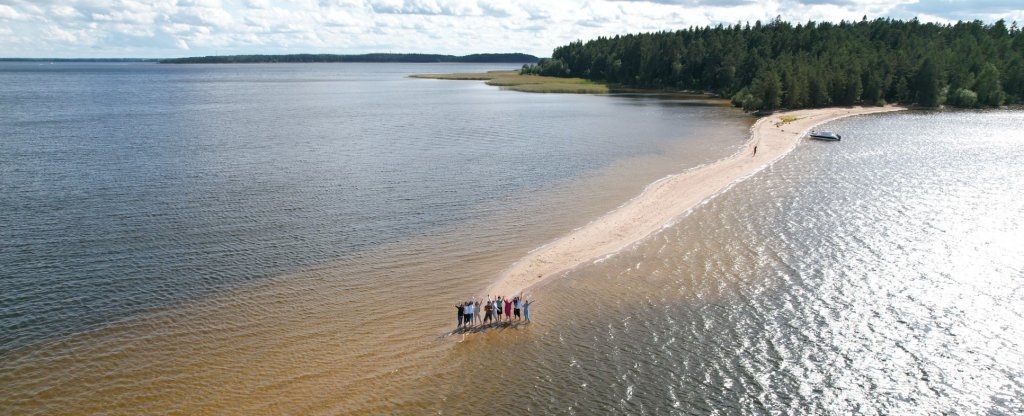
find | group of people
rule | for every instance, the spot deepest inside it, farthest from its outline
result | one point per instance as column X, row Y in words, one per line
column 475, row 312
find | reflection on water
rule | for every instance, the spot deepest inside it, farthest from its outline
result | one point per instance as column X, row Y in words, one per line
column 882, row 274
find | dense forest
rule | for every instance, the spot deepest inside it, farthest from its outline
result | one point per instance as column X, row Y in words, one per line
column 370, row 57
column 779, row 65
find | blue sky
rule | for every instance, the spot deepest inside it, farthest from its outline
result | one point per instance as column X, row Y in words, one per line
column 174, row 28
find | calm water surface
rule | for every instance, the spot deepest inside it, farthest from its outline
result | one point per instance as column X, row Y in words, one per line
column 166, row 227
column 288, row 239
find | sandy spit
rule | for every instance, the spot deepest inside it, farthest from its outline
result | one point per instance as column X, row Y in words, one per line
column 665, row 200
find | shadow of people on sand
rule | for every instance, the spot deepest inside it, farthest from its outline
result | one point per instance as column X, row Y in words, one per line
column 475, row 329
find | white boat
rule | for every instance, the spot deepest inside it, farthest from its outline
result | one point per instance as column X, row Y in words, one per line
column 825, row 135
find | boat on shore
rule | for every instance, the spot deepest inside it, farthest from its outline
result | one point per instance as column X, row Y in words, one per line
column 825, row 135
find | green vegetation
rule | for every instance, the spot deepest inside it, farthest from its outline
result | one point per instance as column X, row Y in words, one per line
column 371, row 57
column 779, row 65
column 513, row 80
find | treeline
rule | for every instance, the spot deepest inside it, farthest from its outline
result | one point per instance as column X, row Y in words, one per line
column 78, row 60
column 779, row 65
column 370, row 57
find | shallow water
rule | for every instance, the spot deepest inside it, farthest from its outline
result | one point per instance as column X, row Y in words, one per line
column 880, row 274
column 287, row 238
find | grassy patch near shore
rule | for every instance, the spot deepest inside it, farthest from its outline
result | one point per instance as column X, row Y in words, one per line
column 512, row 80
column 786, row 120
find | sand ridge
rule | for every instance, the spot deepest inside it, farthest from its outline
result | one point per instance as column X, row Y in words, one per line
column 665, row 200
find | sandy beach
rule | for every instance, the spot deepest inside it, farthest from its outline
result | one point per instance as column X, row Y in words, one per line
column 664, row 201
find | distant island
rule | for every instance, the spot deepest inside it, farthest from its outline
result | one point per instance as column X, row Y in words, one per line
column 515, row 58
column 78, row 60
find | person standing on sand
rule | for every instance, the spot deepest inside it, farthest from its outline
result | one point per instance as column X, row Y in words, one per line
column 478, row 313
column 515, row 307
column 469, row 313
column 461, row 309
column 508, row 310
column 498, row 306
column 488, row 311
column 526, row 310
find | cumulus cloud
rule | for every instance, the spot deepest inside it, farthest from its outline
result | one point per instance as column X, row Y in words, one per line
column 9, row 13
column 162, row 28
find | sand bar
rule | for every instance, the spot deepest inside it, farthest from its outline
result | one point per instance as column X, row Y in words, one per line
column 665, row 200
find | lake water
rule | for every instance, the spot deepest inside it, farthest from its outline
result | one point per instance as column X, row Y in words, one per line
column 289, row 239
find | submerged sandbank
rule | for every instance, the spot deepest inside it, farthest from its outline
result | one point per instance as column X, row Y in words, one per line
column 667, row 199
column 513, row 80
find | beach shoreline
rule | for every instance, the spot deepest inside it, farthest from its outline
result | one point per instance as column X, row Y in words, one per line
column 661, row 203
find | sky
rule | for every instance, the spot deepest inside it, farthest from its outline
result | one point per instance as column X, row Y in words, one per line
column 177, row 28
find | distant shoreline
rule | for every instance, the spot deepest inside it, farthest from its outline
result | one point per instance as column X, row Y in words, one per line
column 79, row 60
column 667, row 199
column 486, row 58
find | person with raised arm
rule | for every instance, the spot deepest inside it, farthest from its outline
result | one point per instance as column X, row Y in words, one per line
column 488, row 310
column 508, row 310
column 526, row 309
column 515, row 308
column 462, row 309
column 498, row 306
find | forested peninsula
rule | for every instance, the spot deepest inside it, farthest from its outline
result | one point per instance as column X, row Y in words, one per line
column 781, row 65
column 516, row 58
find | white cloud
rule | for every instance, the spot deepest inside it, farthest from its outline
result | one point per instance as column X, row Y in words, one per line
column 60, row 35
column 9, row 13
column 158, row 28
column 64, row 11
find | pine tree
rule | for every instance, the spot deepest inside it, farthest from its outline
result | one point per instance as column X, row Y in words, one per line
column 927, row 84
column 989, row 90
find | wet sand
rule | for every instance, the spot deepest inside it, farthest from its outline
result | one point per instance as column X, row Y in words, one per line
column 665, row 200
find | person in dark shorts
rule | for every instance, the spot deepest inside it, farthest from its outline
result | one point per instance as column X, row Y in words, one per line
column 488, row 311
column 470, row 312
column 515, row 307
column 498, row 301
